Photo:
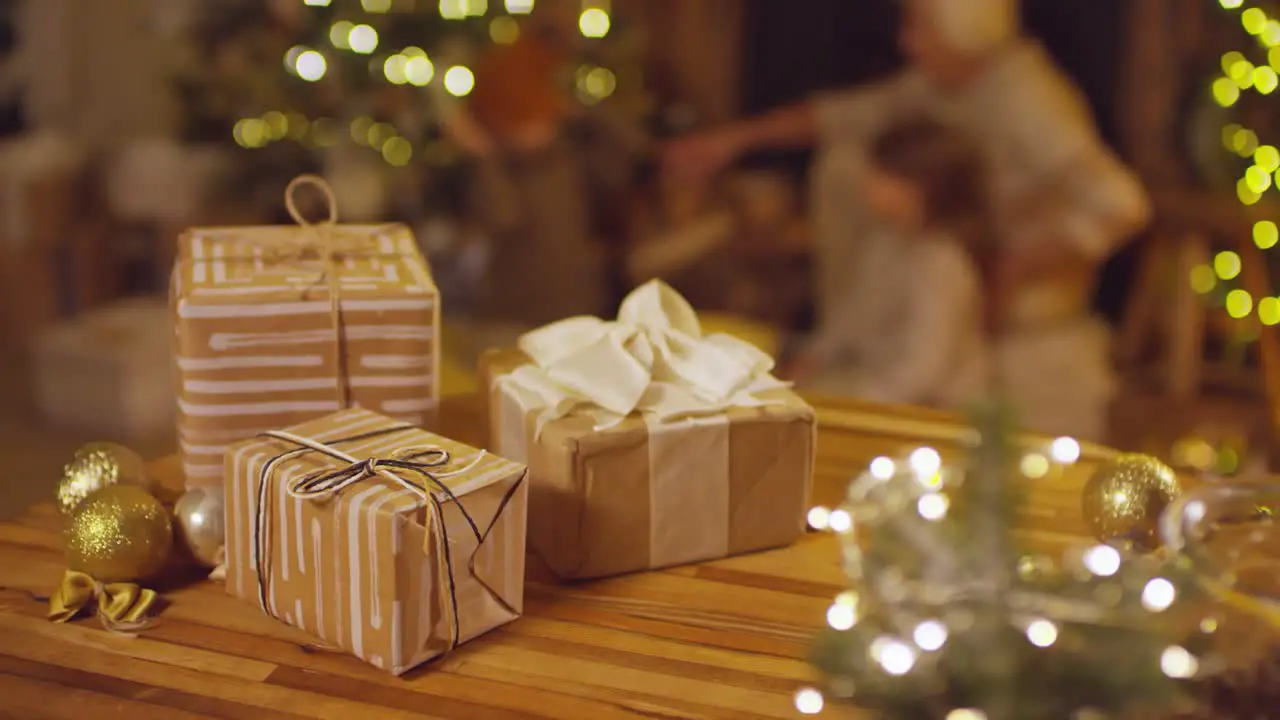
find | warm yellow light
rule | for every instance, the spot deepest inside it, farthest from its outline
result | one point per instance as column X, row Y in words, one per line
column 316, row 3
column 413, row 51
column 477, row 8
column 376, row 6
column 360, row 130
column 339, row 33
column 1231, row 4
column 1177, row 663
column 599, row 83
column 1226, row 265
column 1239, row 303
column 363, row 39
column 504, row 30
column 297, row 125
column 1225, row 92
column 459, row 81
column 379, row 134
column 250, row 133
column 1271, row 33
column 277, row 124
column 1246, row 194
column 1265, row 79
column 1273, row 58
column 453, row 9
column 394, row 68
column 311, row 66
column 1245, row 142
column 1230, row 59
column 1203, row 279
column 1034, row 465
column 1265, row 234
column 594, row 23
column 397, row 151
column 1259, row 180
column 1241, row 72
column 519, row 7
column 1254, row 21
column 1229, row 133
column 419, row 70
column 1042, row 633
column 1267, row 157
column 1269, row 310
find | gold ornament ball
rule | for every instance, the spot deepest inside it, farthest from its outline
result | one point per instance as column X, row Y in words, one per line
column 1124, row 498
column 95, row 466
column 201, row 525
column 119, row 534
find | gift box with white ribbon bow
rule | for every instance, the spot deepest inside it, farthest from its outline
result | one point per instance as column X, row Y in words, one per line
column 648, row 443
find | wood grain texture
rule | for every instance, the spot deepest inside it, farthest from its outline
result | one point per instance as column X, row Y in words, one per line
column 724, row 639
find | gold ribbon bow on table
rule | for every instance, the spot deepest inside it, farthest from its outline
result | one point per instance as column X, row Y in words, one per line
column 328, row 482
column 122, row 607
column 653, row 360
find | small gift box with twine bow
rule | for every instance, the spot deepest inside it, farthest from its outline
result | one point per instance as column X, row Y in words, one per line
column 387, row 541
column 277, row 325
column 648, row 443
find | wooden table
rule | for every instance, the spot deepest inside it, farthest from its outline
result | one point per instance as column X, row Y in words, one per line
column 724, row 639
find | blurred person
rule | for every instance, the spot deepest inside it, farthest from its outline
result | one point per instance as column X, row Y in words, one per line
column 923, row 341
column 1062, row 202
column 541, row 169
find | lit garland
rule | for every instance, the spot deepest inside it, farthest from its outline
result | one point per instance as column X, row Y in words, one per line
column 1239, row 76
column 944, row 618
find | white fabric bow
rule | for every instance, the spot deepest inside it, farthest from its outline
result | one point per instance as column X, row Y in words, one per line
column 653, row 359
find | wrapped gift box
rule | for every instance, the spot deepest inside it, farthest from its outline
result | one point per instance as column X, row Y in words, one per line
column 257, row 347
column 372, row 562
column 108, row 372
column 649, row 445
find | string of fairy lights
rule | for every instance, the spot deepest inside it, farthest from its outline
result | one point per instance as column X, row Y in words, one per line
column 1241, row 75
column 408, row 66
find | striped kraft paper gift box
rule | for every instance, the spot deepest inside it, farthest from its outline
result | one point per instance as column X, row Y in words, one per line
column 259, row 344
column 384, row 540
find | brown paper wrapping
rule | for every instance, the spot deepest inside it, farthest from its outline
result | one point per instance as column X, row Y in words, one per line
column 255, row 346
column 360, row 569
column 640, row 496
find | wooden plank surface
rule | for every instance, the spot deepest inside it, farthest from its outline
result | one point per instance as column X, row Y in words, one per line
column 723, row 639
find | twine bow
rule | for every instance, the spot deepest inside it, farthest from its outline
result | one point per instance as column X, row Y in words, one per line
column 323, row 233
column 122, row 607
column 328, row 482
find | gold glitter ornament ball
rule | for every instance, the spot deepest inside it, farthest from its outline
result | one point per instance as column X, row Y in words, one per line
column 1125, row 496
column 119, row 534
column 95, row 466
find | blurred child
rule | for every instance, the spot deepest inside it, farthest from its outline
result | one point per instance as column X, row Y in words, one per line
column 921, row 340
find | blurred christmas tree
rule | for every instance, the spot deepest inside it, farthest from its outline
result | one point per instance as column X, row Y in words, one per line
column 1238, row 113
column 361, row 90
column 946, row 618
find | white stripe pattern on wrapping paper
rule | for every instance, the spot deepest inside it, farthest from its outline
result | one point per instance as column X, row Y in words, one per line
column 393, row 407
column 284, row 309
column 227, row 341
column 222, row 438
column 418, row 270
column 354, row 568
column 395, row 362
column 219, row 267
column 262, row 361
column 318, row 563
column 283, row 517
column 302, row 546
column 297, row 612
column 237, row 387
column 198, row 269
column 270, row 408
column 375, row 607
column 261, row 289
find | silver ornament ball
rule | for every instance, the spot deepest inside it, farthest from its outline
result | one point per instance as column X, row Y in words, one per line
column 201, row 523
